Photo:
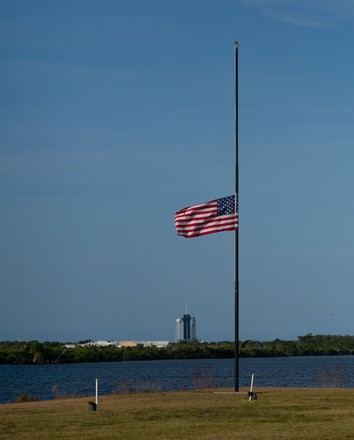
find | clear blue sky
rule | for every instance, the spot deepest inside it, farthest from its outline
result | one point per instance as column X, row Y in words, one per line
column 115, row 114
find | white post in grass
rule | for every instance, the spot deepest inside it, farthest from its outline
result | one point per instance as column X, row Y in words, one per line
column 252, row 377
column 96, row 392
column 251, row 394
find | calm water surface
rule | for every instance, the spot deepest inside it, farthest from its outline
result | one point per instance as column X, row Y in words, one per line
column 50, row 381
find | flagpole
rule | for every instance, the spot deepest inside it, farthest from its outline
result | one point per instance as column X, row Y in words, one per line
column 236, row 231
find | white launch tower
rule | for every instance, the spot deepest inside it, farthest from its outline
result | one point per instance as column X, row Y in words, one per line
column 186, row 328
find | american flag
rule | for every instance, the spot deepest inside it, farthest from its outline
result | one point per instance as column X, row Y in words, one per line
column 206, row 218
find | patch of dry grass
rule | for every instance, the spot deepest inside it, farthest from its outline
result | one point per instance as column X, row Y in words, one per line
column 286, row 413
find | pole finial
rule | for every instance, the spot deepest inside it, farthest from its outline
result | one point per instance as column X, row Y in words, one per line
column 236, row 43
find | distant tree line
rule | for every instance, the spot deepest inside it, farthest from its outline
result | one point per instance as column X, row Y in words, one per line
column 34, row 352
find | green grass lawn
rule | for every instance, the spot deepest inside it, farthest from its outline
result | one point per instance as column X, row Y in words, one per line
column 279, row 413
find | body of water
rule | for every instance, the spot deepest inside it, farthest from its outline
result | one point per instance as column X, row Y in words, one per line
column 61, row 380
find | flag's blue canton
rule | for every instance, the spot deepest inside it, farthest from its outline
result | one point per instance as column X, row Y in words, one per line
column 226, row 205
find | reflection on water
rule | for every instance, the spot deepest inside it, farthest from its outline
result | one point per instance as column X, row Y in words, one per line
column 50, row 381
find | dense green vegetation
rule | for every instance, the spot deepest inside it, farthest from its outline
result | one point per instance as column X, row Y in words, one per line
column 35, row 352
